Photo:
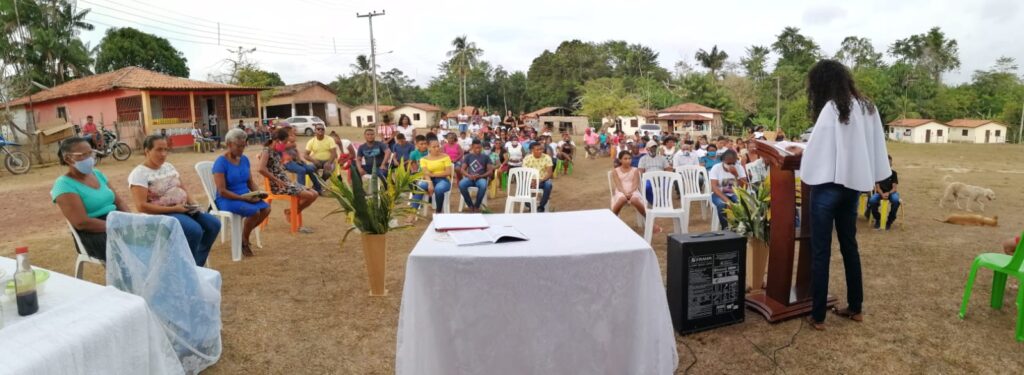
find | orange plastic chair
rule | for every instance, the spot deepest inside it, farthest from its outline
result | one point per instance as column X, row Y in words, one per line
column 295, row 216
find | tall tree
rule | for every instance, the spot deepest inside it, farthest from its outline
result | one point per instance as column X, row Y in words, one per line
column 462, row 58
column 858, row 52
column 796, row 49
column 43, row 37
column 123, row 47
column 755, row 64
column 712, row 60
column 255, row 77
column 633, row 60
column 556, row 77
column 931, row 51
column 606, row 97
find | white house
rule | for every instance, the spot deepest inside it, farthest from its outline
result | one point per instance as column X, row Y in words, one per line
column 691, row 118
column 977, row 131
column 422, row 115
column 630, row 123
column 919, row 130
column 363, row 115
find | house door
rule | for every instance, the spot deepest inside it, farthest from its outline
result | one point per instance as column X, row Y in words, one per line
column 359, row 121
column 928, row 136
column 987, row 134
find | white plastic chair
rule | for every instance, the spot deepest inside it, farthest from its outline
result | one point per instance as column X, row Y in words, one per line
column 472, row 193
column 692, row 191
column 611, row 192
column 662, row 184
column 205, row 171
column 83, row 257
column 522, row 193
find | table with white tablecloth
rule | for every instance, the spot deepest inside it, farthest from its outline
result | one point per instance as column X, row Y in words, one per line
column 83, row 328
column 583, row 295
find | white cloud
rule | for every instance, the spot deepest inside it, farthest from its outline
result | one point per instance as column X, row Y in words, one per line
column 297, row 38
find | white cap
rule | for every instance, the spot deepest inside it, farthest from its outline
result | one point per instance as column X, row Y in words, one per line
column 652, row 144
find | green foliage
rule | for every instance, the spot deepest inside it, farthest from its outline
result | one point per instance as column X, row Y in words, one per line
column 256, row 77
column 795, row 49
column 47, row 48
column 555, row 78
column 750, row 215
column 795, row 118
column 607, row 97
column 858, row 52
column 755, row 64
column 393, row 86
column 124, row 47
column 930, row 51
column 712, row 60
column 372, row 212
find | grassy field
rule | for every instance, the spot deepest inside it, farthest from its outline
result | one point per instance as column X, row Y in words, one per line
column 300, row 305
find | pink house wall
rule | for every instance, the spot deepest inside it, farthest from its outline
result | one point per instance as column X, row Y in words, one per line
column 102, row 106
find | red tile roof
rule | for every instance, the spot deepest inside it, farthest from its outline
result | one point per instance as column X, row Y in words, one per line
column 911, row 122
column 682, row 117
column 422, row 106
column 298, row 87
column 689, row 108
column 124, row 78
column 542, row 111
column 469, row 111
column 380, row 107
column 970, row 123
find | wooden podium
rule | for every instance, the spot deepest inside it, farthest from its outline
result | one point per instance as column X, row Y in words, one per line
column 783, row 298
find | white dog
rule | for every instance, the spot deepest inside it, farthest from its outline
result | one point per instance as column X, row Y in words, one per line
column 957, row 190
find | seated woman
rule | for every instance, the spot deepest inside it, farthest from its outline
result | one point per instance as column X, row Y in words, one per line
column 84, row 195
column 725, row 177
column 626, row 182
column 437, row 168
column 232, row 177
column 157, row 190
column 272, row 168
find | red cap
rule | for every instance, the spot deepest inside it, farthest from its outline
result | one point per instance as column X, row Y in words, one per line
column 21, row 250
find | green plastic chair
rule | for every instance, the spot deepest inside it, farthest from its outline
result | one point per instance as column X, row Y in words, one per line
column 558, row 169
column 1002, row 266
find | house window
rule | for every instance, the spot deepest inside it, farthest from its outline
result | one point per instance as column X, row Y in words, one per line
column 938, row 132
column 964, row 133
column 62, row 112
column 906, row 132
column 369, row 119
column 634, row 123
column 415, row 116
column 998, row 132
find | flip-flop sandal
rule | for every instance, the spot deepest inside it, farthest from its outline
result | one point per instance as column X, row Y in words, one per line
column 816, row 325
column 846, row 313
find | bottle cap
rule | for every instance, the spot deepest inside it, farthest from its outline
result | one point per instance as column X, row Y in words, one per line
column 21, row 250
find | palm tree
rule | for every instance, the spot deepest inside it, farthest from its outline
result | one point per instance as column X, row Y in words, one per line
column 463, row 57
column 362, row 75
column 713, row 61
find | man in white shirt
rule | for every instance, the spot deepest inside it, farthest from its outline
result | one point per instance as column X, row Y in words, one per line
column 684, row 158
column 465, row 141
column 726, row 177
column 198, row 137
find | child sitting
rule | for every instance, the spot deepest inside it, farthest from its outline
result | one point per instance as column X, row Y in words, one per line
column 885, row 189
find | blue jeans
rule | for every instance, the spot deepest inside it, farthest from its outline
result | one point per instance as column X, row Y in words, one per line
column 201, row 231
column 546, row 186
column 441, row 186
column 463, row 128
column 481, row 191
column 301, row 171
column 721, row 205
column 894, row 205
column 833, row 204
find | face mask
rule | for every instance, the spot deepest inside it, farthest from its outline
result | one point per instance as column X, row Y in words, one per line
column 280, row 147
column 487, row 152
column 711, row 154
column 85, row 166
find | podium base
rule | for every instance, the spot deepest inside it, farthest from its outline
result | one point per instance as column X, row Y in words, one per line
column 775, row 311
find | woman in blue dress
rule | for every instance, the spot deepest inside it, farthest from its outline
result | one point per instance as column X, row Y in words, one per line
column 233, row 177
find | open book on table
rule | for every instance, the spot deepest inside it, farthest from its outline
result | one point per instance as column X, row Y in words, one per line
column 496, row 234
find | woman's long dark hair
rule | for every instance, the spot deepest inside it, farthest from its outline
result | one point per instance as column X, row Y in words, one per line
column 281, row 134
column 830, row 80
column 404, row 118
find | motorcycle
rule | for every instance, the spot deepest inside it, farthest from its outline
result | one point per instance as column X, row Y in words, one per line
column 16, row 162
column 112, row 147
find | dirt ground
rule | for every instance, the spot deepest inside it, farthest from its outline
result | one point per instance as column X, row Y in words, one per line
column 301, row 305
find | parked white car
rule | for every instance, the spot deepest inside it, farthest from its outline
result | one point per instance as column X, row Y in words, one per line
column 304, row 124
column 652, row 129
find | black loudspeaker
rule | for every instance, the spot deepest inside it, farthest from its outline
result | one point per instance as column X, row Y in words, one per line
column 706, row 280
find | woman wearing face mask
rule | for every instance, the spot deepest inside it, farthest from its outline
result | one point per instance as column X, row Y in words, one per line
column 84, row 195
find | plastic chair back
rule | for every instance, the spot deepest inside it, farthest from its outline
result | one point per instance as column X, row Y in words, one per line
column 148, row 255
column 662, row 183
column 1018, row 255
column 205, row 171
column 691, row 177
column 522, row 178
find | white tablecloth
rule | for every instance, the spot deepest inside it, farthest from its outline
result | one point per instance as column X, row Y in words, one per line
column 83, row 328
column 583, row 296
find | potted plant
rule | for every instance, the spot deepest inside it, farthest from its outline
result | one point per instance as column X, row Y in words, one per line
column 374, row 213
column 749, row 217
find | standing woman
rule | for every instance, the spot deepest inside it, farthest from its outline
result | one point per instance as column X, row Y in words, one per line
column 405, row 127
column 845, row 155
column 232, row 177
column 157, row 190
column 84, row 195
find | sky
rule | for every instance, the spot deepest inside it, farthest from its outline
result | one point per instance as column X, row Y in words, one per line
column 305, row 40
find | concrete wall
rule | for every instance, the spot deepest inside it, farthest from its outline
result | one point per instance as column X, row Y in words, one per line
column 426, row 118
column 579, row 123
column 102, row 107
column 977, row 135
column 940, row 133
column 360, row 117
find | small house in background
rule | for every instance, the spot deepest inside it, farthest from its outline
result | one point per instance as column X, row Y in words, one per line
column 304, row 99
column 977, row 131
column 691, row 118
column 630, row 123
column 422, row 115
column 559, row 119
column 362, row 116
column 918, row 130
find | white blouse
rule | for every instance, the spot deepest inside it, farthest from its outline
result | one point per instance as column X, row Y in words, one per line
column 853, row 155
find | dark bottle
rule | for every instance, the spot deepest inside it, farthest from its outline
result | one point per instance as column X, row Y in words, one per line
column 25, row 284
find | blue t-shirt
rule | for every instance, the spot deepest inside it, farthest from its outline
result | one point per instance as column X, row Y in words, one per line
column 636, row 161
column 476, row 164
column 709, row 162
column 236, row 177
column 97, row 202
column 403, row 152
column 372, row 154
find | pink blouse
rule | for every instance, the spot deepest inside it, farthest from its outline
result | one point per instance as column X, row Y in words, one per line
column 628, row 180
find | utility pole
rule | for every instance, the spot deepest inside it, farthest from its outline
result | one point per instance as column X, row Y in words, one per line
column 373, row 61
column 1020, row 130
column 778, row 103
